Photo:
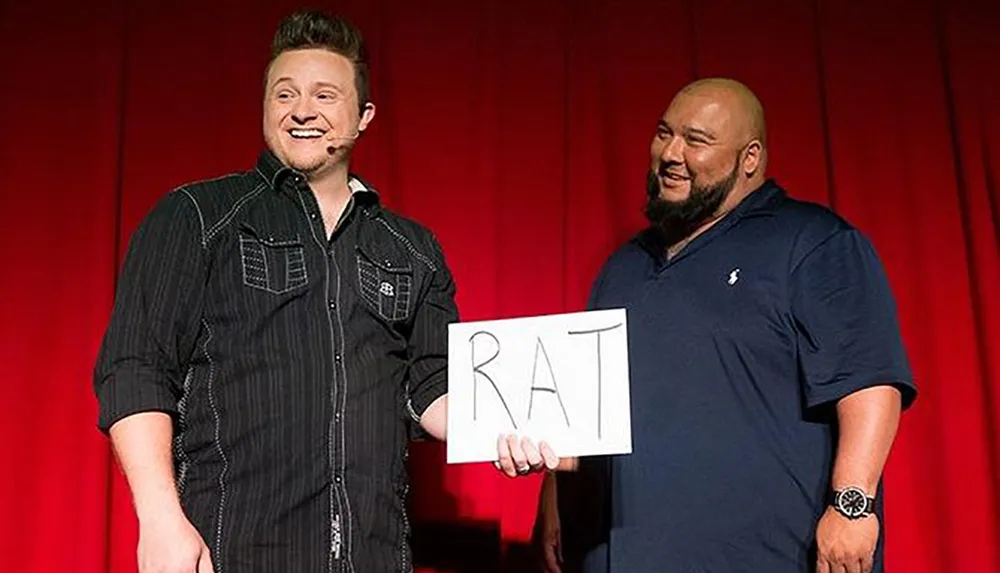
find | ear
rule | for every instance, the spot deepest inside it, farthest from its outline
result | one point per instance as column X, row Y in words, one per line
column 366, row 116
column 753, row 158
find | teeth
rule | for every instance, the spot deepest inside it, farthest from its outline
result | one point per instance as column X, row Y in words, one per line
column 305, row 133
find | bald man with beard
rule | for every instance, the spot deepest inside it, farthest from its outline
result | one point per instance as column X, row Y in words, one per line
column 768, row 373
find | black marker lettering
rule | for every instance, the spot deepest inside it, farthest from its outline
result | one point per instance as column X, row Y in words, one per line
column 555, row 387
column 598, row 331
column 476, row 370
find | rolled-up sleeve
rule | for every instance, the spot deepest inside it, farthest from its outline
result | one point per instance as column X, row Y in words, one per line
column 428, row 373
column 846, row 323
column 154, row 322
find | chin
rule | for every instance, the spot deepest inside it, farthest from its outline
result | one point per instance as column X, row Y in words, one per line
column 307, row 163
column 676, row 194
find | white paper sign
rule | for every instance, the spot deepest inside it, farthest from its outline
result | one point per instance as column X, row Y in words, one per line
column 559, row 378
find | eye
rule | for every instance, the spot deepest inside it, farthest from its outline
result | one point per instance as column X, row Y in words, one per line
column 663, row 133
column 283, row 95
column 326, row 96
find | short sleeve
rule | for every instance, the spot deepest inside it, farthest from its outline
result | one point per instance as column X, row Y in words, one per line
column 846, row 322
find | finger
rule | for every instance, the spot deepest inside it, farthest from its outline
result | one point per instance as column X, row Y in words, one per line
column 550, row 457
column 531, row 453
column 823, row 566
column 505, row 461
column 852, row 565
column 568, row 464
column 517, row 454
column 867, row 564
column 205, row 561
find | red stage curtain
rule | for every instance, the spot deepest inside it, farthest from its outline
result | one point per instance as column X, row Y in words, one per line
column 518, row 130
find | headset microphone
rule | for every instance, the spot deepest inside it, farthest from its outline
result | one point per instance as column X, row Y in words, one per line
column 333, row 148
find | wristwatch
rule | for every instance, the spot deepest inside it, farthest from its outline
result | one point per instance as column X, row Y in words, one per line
column 853, row 503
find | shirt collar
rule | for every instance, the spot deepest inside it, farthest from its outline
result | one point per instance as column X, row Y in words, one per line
column 285, row 179
column 764, row 201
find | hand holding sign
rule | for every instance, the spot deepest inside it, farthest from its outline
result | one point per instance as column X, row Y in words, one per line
column 521, row 457
column 561, row 379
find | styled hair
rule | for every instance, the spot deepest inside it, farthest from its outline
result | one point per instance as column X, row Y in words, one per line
column 315, row 29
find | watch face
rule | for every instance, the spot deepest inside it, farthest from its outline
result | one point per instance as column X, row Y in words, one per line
column 852, row 502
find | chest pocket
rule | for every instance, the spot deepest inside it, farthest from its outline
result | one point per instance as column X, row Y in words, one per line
column 272, row 263
column 386, row 284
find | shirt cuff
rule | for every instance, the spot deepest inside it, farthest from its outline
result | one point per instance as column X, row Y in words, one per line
column 119, row 398
column 834, row 391
column 424, row 395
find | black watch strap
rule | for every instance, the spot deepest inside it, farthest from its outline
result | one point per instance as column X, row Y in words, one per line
column 852, row 502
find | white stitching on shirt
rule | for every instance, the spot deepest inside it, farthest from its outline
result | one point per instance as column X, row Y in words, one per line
column 218, row 446
column 420, row 256
column 348, row 539
column 201, row 217
column 233, row 210
column 179, row 439
column 344, row 524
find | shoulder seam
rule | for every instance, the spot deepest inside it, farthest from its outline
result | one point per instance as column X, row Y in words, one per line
column 232, row 212
column 409, row 245
column 817, row 246
column 201, row 216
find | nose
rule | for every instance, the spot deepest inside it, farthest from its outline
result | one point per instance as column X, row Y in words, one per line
column 671, row 152
column 303, row 111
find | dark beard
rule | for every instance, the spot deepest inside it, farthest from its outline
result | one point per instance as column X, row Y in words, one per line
column 674, row 221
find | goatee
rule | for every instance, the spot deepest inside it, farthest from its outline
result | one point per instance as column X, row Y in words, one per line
column 673, row 221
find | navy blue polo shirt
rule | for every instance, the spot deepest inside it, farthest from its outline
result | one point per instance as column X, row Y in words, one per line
column 739, row 347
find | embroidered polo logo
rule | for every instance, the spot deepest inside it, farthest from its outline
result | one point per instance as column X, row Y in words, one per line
column 386, row 289
column 734, row 275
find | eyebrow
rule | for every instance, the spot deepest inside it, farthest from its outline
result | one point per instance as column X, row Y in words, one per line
column 699, row 132
column 688, row 131
column 319, row 84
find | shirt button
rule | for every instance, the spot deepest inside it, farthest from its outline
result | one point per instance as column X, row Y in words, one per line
column 313, row 215
column 336, row 417
column 333, row 304
column 337, row 358
column 337, row 478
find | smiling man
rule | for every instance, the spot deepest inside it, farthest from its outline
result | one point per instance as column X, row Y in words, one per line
column 767, row 372
column 277, row 338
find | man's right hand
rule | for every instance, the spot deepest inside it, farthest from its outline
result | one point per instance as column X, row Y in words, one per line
column 548, row 527
column 170, row 544
column 551, row 544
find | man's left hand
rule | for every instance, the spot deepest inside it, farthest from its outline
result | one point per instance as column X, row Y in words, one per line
column 844, row 545
column 521, row 457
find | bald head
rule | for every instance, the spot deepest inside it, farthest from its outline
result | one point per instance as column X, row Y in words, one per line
column 746, row 114
column 708, row 153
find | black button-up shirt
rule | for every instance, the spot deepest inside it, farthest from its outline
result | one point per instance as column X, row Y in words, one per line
column 295, row 366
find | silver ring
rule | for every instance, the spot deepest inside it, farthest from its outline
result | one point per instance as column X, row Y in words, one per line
column 524, row 470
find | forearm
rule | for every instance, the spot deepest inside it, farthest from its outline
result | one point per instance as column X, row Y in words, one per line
column 435, row 418
column 868, row 420
column 548, row 500
column 143, row 446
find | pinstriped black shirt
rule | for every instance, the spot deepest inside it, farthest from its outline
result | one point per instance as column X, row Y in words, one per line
column 295, row 366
